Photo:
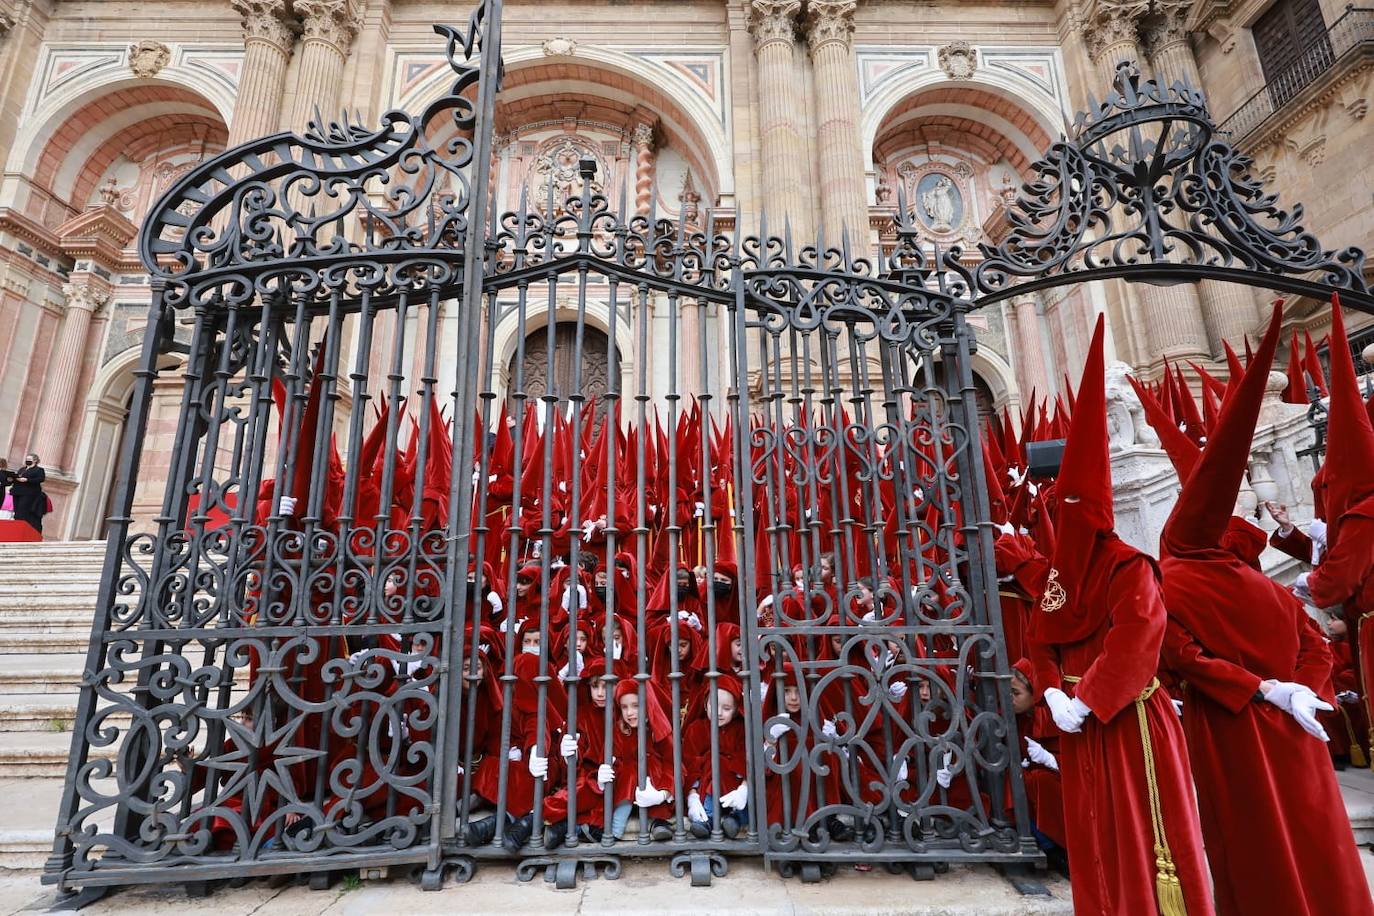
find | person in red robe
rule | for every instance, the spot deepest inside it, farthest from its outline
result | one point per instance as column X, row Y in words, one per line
column 1345, row 577
column 1130, row 818
column 727, row 787
column 1040, row 767
column 1253, row 663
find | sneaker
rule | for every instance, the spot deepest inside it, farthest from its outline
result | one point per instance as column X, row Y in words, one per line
column 700, row 829
column 660, row 830
column 729, row 825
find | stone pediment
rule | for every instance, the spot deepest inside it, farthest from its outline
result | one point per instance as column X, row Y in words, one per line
column 100, row 233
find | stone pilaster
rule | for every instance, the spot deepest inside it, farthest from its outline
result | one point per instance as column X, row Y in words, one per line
column 844, row 204
column 267, row 43
column 328, row 28
column 774, row 25
column 84, row 297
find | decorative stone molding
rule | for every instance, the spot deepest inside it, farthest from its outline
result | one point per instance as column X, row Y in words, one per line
column 333, row 22
column 266, row 20
column 85, row 296
column 829, row 21
column 773, row 20
column 958, row 59
column 147, row 58
column 1109, row 23
column 1168, row 27
column 559, row 47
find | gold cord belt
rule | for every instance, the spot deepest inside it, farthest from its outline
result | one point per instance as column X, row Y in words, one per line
column 1168, row 889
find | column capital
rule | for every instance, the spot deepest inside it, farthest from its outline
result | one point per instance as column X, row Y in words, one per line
column 266, row 20
column 1112, row 22
column 88, row 297
column 829, row 21
column 643, row 136
column 334, row 22
column 773, row 20
column 1168, row 27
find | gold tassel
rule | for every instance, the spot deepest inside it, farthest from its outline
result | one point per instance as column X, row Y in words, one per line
column 1169, row 890
column 1357, row 757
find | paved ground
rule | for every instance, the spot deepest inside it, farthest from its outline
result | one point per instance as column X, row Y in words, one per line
column 644, row 887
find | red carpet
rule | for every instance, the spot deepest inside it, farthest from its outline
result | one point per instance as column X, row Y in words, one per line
column 12, row 532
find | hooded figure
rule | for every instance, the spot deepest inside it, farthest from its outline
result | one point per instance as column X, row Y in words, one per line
column 1253, row 663
column 1345, row 577
column 1135, row 848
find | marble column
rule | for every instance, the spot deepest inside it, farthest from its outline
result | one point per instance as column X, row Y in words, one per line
column 1030, row 355
column 267, row 42
column 844, row 201
column 1229, row 310
column 328, row 28
column 1172, row 314
column 773, row 23
column 643, row 141
column 53, row 433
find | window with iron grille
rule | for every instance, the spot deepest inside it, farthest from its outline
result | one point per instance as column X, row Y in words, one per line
column 1293, row 47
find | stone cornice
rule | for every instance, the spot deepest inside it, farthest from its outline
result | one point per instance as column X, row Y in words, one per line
column 29, row 230
column 773, row 20
column 829, row 21
column 101, row 234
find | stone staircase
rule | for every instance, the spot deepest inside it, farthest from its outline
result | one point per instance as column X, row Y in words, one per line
column 47, row 597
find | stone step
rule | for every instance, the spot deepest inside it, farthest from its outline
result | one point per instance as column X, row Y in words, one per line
column 57, row 642
column 56, row 673
column 37, row 712
column 31, row 755
column 50, row 620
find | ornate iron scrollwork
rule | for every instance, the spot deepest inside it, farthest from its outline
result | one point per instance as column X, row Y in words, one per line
column 1144, row 188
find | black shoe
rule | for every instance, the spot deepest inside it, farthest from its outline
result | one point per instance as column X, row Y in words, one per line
column 556, row 835
column 729, row 825
column 480, row 833
column 518, row 834
column 591, row 833
column 700, row 829
column 660, row 830
column 839, row 831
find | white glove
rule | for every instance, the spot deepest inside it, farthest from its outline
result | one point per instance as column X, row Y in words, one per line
column 736, row 799
column 1037, row 753
column 513, row 754
column 692, row 620
column 1281, row 694
column 1316, row 530
column 828, row 729
column 700, row 510
column 1305, row 707
column 1069, row 714
column 695, row 809
column 1178, row 708
column 1301, row 590
column 539, row 766
column 1347, row 696
column 896, row 690
column 568, row 746
column 943, row 776
column 605, row 775
column 902, row 772
column 648, row 796
column 286, row 505
column 776, row 731
column 566, row 671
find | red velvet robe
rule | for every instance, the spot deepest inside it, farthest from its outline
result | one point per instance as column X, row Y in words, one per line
column 1106, row 802
column 1272, row 814
column 1345, row 578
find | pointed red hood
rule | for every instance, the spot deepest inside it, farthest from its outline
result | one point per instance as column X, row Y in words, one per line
column 1204, row 507
column 1183, row 452
column 1083, row 492
column 1296, row 392
column 1349, row 466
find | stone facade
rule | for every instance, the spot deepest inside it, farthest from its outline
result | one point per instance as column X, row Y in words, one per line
column 812, row 110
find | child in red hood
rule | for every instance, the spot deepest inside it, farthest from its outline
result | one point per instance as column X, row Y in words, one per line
column 730, row 789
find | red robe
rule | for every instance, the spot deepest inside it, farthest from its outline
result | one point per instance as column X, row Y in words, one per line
column 1106, row 802
column 1266, row 790
column 1345, row 578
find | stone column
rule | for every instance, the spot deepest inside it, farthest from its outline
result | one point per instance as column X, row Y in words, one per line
column 773, row 23
column 1030, row 355
column 1229, row 310
column 1172, row 315
column 643, row 140
column 328, row 28
column 267, row 41
column 844, row 204
column 53, row 432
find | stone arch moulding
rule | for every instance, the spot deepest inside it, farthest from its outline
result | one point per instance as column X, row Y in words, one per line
column 202, row 71
column 1000, row 378
column 1043, row 108
column 701, row 120
column 506, row 334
